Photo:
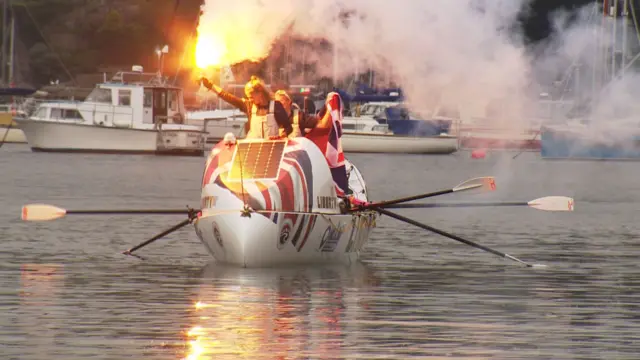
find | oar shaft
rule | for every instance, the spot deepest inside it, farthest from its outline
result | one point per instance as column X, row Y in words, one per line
column 451, row 236
column 453, row 205
column 410, row 198
column 132, row 211
column 164, row 233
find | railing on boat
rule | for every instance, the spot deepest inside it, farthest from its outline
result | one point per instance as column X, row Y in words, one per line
column 117, row 116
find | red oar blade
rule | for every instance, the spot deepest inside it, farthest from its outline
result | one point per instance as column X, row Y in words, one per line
column 484, row 184
column 553, row 203
column 41, row 212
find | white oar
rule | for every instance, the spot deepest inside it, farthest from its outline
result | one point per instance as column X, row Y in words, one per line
column 549, row 203
column 44, row 212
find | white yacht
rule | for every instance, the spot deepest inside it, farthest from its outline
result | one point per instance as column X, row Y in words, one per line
column 369, row 130
column 134, row 112
column 367, row 135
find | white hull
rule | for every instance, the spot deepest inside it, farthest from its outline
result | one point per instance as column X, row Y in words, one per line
column 379, row 143
column 14, row 135
column 257, row 241
column 56, row 136
column 217, row 123
column 294, row 215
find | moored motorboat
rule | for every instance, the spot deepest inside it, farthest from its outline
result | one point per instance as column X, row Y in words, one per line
column 119, row 116
column 366, row 135
column 273, row 202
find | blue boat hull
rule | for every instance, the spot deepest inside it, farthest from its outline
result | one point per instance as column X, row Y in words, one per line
column 558, row 144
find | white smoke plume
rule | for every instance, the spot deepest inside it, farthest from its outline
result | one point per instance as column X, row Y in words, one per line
column 466, row 53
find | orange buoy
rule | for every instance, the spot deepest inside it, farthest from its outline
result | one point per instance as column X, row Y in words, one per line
column 478, row 154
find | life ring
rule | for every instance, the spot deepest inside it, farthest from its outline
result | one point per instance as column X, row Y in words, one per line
column 178, row 118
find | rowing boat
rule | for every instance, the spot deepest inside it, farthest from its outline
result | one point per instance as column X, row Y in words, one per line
column 273, row 202
column 267, row 203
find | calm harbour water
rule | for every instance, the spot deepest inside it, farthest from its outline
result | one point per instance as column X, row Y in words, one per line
column 67, row 292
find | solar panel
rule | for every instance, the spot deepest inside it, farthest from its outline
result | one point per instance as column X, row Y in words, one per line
column 258, row 160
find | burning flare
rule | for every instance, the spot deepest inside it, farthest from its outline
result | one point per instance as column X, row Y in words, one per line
column 229, row 33
column 209, row 51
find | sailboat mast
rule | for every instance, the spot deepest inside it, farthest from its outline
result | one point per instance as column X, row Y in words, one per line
column 614, row 40
column 625, row 29
column 5, row 14
column 11, row 48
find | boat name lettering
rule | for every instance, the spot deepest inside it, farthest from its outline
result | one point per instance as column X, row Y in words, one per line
column 327, row 202
column 331, row 237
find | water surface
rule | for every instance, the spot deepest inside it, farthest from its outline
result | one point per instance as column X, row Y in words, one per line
column 66, row 292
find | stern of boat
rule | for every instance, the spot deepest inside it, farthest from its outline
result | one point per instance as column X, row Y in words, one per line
column 180, row 140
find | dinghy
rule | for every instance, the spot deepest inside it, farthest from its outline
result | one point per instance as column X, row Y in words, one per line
column 273, row 202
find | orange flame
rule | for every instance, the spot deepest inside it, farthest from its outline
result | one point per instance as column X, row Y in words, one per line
column 226, row 41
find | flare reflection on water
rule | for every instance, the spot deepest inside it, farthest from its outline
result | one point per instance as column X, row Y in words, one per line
column 281, row 312
column 40, row 288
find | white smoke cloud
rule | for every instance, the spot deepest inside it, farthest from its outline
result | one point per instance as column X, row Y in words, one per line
column 464, row 52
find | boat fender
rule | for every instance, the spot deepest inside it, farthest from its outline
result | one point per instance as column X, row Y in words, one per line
column 178, row 118
column 229, row 139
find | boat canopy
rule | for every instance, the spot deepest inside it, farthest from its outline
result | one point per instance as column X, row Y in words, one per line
column 11, row 91
column 364, row 94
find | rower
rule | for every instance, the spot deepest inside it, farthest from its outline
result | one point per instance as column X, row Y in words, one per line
column 302, row 123
column 266, row 118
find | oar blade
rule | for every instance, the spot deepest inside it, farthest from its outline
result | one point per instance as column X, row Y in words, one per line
column 483, row 184
column 41, row 212
column 553, row 203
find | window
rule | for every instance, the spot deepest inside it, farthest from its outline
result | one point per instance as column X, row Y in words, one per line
column 42, row 113
column 100, row 95
column 173, row 100
column 56, row 113
column 124, row 97
column 160, row 100
column 148, row 98
column 71, row 114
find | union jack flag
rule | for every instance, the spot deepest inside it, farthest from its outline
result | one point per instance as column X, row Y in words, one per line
column 334, row 153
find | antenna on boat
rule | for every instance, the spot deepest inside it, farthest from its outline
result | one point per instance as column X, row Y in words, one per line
column 161, row 52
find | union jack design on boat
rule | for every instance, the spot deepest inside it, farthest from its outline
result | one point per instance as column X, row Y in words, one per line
column 268, row 202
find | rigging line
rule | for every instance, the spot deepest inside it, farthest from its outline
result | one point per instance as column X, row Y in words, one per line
column 244, row 199
column 170, row 27
column 6, row 134
column 26, row 7
column 184, row 51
